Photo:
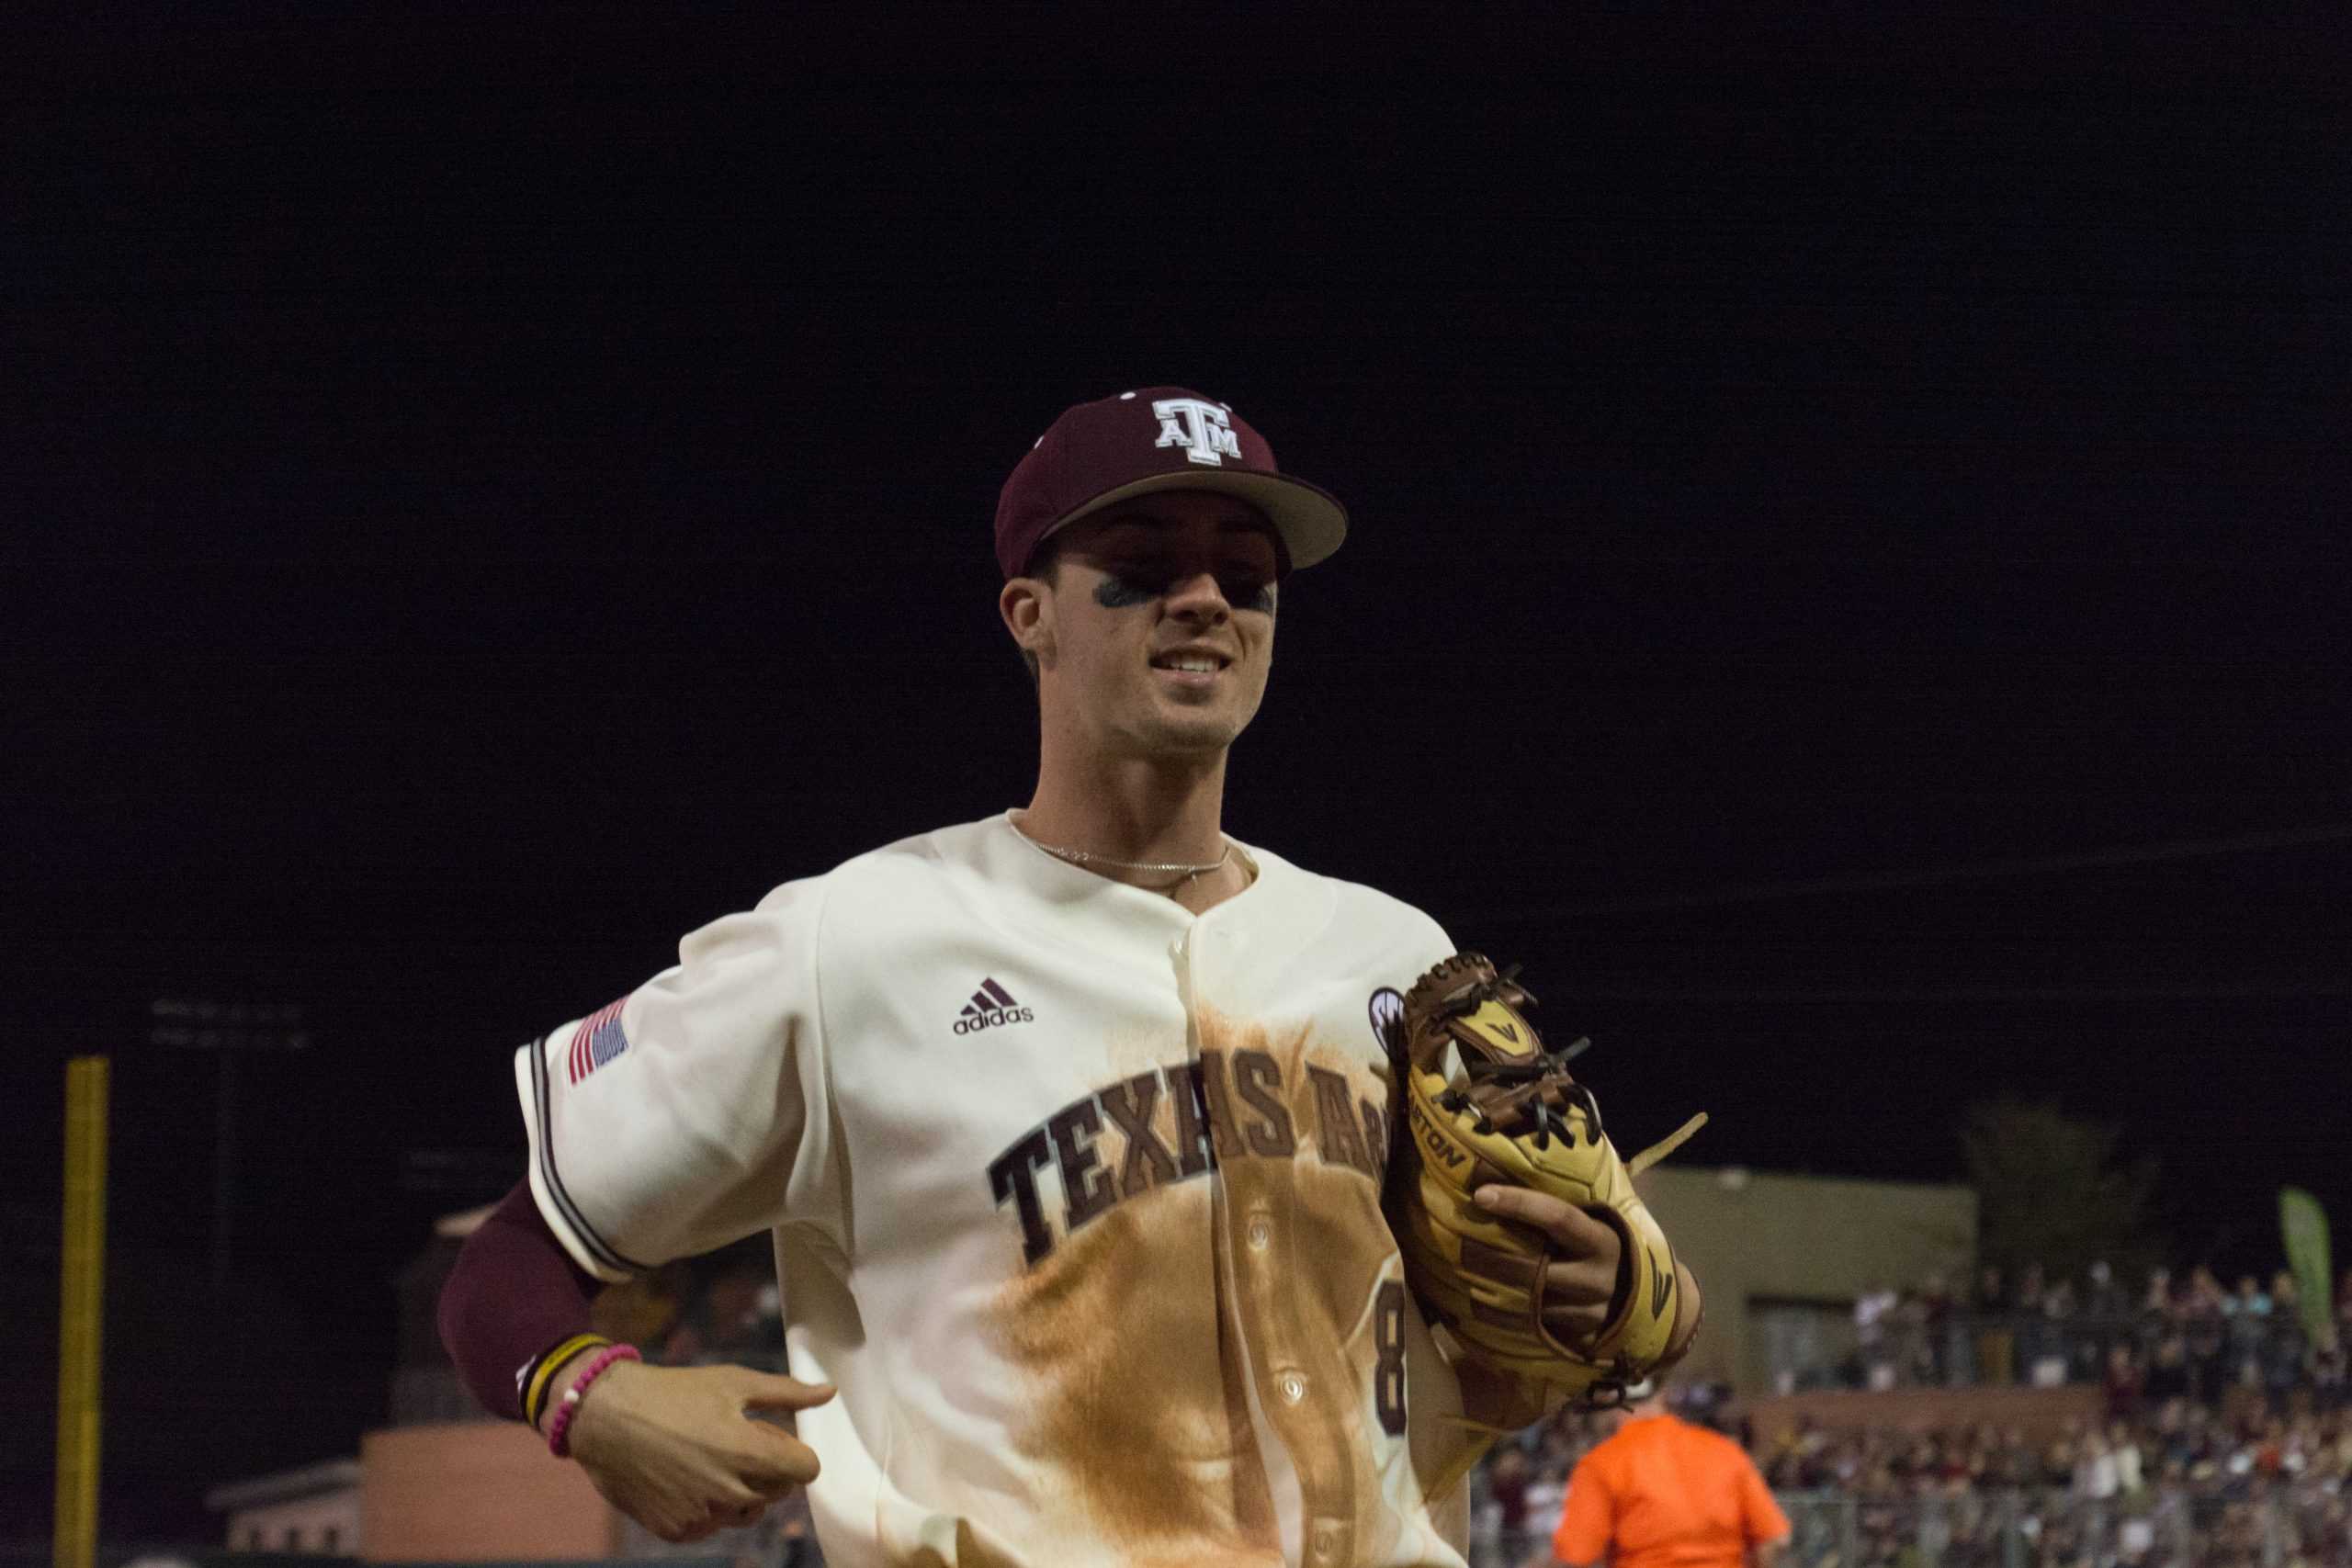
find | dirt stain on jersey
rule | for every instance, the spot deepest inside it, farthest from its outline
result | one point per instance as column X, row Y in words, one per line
column 1139, row 1400
column 1127, row 1328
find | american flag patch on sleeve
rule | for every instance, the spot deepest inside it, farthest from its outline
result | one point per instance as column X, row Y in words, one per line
column 597, row 1040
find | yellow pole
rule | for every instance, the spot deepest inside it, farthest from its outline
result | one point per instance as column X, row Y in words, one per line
column 82, row 1296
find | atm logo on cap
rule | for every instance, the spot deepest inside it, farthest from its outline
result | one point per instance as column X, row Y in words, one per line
column 1204, row 428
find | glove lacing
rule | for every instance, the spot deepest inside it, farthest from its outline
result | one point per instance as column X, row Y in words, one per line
column 1480, row 1070
column 1505, row 988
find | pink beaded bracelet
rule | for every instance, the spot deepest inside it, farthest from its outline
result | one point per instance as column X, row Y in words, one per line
column 560, row 1429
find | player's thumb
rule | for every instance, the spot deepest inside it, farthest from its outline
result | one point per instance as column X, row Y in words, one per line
column 774, row 1391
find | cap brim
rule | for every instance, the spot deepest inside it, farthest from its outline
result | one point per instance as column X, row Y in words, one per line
column 1309, row 518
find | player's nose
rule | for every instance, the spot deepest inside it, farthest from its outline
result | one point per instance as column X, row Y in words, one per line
column 1198, row 597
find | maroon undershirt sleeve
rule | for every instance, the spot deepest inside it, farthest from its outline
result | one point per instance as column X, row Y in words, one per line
column 514, row 1293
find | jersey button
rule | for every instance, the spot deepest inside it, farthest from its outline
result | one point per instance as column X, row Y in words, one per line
column 1261, row 1234
column 1294, row 1387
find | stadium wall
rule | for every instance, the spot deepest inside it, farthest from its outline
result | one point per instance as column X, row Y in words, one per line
column 2040, row 1414
column 1754, row 1240
column 478, row 1492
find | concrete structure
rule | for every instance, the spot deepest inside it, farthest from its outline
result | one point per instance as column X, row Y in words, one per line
column 1781, row 1260
column 315, row 1509
column 479, row 1492
column 2041, row 1413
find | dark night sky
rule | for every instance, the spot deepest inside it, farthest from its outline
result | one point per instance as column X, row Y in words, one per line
column 482, row 506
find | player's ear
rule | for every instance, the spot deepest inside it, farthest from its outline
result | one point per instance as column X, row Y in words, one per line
column 1027, row 605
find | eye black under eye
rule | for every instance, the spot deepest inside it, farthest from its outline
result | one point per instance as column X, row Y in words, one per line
column 1247, row 591
column 1132, row 582
column 1119, row 590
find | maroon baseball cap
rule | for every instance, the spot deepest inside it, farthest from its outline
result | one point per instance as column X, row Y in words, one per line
column 1156, row 438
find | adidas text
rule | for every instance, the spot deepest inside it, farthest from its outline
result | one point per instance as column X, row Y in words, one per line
column 972, row 1023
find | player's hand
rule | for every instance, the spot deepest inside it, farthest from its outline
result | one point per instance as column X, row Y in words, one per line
column 679, row 1448
column 1581, row 1278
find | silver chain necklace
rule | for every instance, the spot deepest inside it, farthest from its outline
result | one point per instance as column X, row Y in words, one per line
column 1170, row 868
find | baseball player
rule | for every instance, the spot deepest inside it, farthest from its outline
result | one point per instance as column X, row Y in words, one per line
column 1070, row 1124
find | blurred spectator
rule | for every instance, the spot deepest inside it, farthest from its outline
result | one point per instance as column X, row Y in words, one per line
column 2105, row 1299
column 2155, row 1320
column 2125, row 1446
column 1995, row 1348
column 2202, row 1324
column 735, row 1313
column 2286, row 1351
column 2043, row 1307
column 2031, row 1289
column 2327, row 1378
column 1507, row 1478
column 2246, row 1325
column 2096, row 1475
column 2168, row 1366
column 1873, row 1309
column 2124, row 1383
column 1940, row 1354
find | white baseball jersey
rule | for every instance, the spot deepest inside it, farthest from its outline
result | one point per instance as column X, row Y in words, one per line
column 1074, row 1196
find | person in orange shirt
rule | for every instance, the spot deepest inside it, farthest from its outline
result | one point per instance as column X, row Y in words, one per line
column 1661, row 1492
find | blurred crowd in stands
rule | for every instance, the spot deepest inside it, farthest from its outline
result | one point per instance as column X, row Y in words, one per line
column 2177, row 1335
column 2223, row 1438
column 2225, row 1485
column 2230, row 1452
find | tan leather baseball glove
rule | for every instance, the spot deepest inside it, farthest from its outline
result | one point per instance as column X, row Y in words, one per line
column 1513, row 1114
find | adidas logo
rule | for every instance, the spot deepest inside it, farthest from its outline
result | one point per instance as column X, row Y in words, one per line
column 989, row 1006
